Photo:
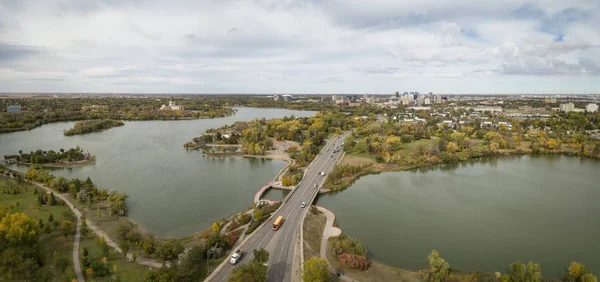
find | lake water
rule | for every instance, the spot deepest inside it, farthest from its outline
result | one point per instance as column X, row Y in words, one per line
column 480, row 215
column 173, row 192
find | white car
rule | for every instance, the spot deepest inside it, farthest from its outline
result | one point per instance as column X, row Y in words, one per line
column 235, row 257
column 303, row 204
column 315, row 185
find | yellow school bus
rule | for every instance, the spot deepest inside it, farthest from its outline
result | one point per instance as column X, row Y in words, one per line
column 277, row 223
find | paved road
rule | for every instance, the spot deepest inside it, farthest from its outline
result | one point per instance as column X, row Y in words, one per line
column 280, row 244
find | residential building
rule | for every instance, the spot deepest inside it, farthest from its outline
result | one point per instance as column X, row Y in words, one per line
column 591, row 108
column 287, row 97
column 568, row 107
column 14, row 109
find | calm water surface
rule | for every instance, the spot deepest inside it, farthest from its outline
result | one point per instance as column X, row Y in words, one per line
column 173, row 192
column 480, row 215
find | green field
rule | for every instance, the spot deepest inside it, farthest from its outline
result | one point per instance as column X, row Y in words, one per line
column 126, row 271
column 48, row 243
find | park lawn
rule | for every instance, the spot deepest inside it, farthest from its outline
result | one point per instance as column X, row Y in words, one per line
column 48, row 243
column 407, row 149
column 127, row 271
column 314, row 224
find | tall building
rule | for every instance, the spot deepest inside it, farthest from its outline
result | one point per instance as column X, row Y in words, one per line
column 568, row 107
column 591, row 108
column 14, row 109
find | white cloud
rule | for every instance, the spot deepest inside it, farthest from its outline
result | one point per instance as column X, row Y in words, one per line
column 328, row 46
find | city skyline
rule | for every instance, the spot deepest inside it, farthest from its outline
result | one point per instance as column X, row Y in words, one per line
column 297, row 47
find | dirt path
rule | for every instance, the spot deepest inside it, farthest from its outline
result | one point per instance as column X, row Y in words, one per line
column 99, row 233
column 76, row 264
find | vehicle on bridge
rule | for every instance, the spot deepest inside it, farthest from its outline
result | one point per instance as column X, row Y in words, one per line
column 277, row 223
column 303, row 204
column 236, row 257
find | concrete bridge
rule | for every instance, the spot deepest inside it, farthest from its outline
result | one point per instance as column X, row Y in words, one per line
column 275, row 185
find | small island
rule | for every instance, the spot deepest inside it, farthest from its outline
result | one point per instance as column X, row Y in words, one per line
column 74, row 157
column 88, row 126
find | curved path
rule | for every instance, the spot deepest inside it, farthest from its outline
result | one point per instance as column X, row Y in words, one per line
column 98, row 232
column 328, row 232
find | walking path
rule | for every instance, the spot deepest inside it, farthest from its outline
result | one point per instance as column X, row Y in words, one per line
column 76, row 264
column 328, row 232
column 99, row 233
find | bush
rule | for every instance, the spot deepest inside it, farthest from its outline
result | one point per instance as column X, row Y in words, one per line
column 354, row 261
column 347, row 244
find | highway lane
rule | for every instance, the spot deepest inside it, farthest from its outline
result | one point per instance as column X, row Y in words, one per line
column 280, row 244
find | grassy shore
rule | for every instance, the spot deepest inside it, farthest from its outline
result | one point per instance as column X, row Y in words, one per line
column 48, row 243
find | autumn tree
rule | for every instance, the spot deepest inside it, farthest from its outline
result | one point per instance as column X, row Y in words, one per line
column 439, row 269
column 575, row 271
column 315, row 270
column 534, row 272
column 517, row 271
column 67, row 227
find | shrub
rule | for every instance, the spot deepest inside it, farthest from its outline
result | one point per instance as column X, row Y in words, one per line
column 354, row 261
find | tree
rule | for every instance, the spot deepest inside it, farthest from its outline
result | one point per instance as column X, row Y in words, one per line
column 588, row 277
column 124, row 247
column 534, row 272
column 251, row 272
column 451, row 147
column 258, row 215
column 216, row 227
column 18, row 229
column 516, row 271
column 84, row 229
column 104, row 247
column 67, row 227
column 439, row 269
column 60, row 262
column 575, row 270
column 48, row 229
column 170, row 250
column 261, row 255
column 89, row 272
column 134, row 257
column 315, row 270
column 51, row 218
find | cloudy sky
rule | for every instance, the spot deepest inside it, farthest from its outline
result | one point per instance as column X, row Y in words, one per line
column 300, row 46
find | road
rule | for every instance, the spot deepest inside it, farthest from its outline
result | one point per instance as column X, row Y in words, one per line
column 280, row 244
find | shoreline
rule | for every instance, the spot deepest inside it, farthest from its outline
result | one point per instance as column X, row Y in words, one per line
column 79, row 164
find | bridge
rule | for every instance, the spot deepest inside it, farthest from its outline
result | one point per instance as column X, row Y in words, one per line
column 281, row 244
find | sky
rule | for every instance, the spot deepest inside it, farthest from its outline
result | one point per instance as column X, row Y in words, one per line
column 300, row 46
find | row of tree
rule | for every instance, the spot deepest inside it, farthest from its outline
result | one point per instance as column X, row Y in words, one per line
column 43, row 157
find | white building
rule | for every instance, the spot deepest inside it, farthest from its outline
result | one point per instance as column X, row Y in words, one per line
column 172, row 106
column 287, row 97
column 568, row 107
column 591, row 108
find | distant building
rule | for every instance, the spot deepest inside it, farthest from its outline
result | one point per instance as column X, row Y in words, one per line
column 550, row 100
column 14, row 109
column 568, row 107
column 276, row 97
column 287, row 97
column 591, row 108
column 172, row 106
